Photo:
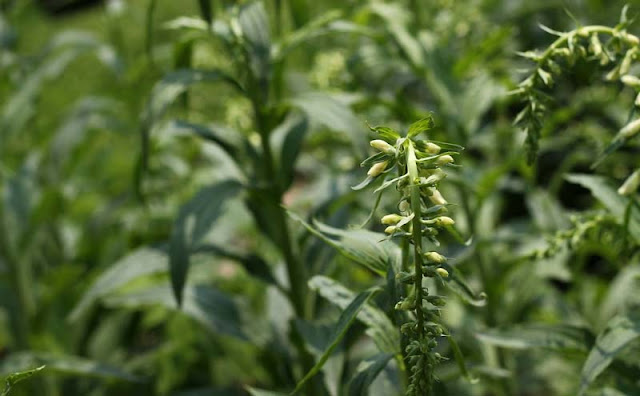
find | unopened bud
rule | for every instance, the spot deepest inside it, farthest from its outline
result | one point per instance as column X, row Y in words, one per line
column 613, row 74
column 377, row 169
column 625, row 65
column 404, row 206
column 406, row 304
column 435, row 257
column 444, row 221
column 436, row 198
column 631, row 184
column 631, row 39
column 594, row 44
column 444, row 159
column 442, row 272
column 390, row 219
column 390, row 229
column 436, row 176
column 383, row 146
column 630, row 130
column 433, row 148
column 630, row 81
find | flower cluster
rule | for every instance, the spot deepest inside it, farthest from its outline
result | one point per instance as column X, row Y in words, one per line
column 421, row 214
column 616, row 55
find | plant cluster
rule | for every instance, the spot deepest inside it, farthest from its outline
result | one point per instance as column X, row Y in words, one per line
column 178, row 216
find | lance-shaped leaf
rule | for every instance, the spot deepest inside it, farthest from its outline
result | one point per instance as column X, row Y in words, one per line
column 141, row 262
column 331, row 113
column 380, row 328
column 459, row 286
column 561, row 338
column 194, row 221
column 607, row 195
column 14, row 378
column 364, row 247
column 619, row 333
column 345, row 321
column 420, row 126
column 367, row 372
column 287, row 139
column 215, row 310
column 65, row 365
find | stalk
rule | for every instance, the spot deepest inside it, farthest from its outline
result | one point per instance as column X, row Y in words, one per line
column 417, row 232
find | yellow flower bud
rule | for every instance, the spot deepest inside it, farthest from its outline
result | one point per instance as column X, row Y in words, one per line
column 390, row 229
column 444, row 221
column 630, row 81
column 435, row 257
column 442, row 272
column 436, row 198
column 378, row 168
column 391, row 219
column 443, row 160
column 436, row 176
column 625, row 65
column 383, row 146
column 631, row 184
column 630, row 130
column 433, row 148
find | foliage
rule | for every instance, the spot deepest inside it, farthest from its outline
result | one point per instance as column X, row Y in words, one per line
column 182, row 211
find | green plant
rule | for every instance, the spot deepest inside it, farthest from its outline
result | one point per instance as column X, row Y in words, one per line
column 414, row 167
column 422, row 214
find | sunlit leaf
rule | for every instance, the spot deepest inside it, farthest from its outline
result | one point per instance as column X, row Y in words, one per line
column 379, row 325
column 345, row 321
column 620, row 332
column 366, row 373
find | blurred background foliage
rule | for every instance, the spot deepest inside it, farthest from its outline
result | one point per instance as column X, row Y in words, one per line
column 100, row 159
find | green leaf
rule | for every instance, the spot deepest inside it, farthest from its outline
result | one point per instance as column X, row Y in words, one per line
column 621, row 292
column 396, row 18
column 213, row 309
column 345, row 321
column 420, row 126
column 329, row 112
column 254, row 24
column 176, row 83
column 141, row 262
column 259, row 392
column 457, row 353
column 227, row 139
column 561, row 338
column 66, row 365
column 366, row 373
column 63, row 49
column 613, row 340
column 19, row 197
column 380, row 327
column 287, row 139
column 193, row 222
column 14, row 378
column 608, row 196
column 456, row 283
column 323, row 25
column 387, row 134
column 364, row 247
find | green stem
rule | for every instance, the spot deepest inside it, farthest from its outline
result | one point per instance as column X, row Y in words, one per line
column 416, row 203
